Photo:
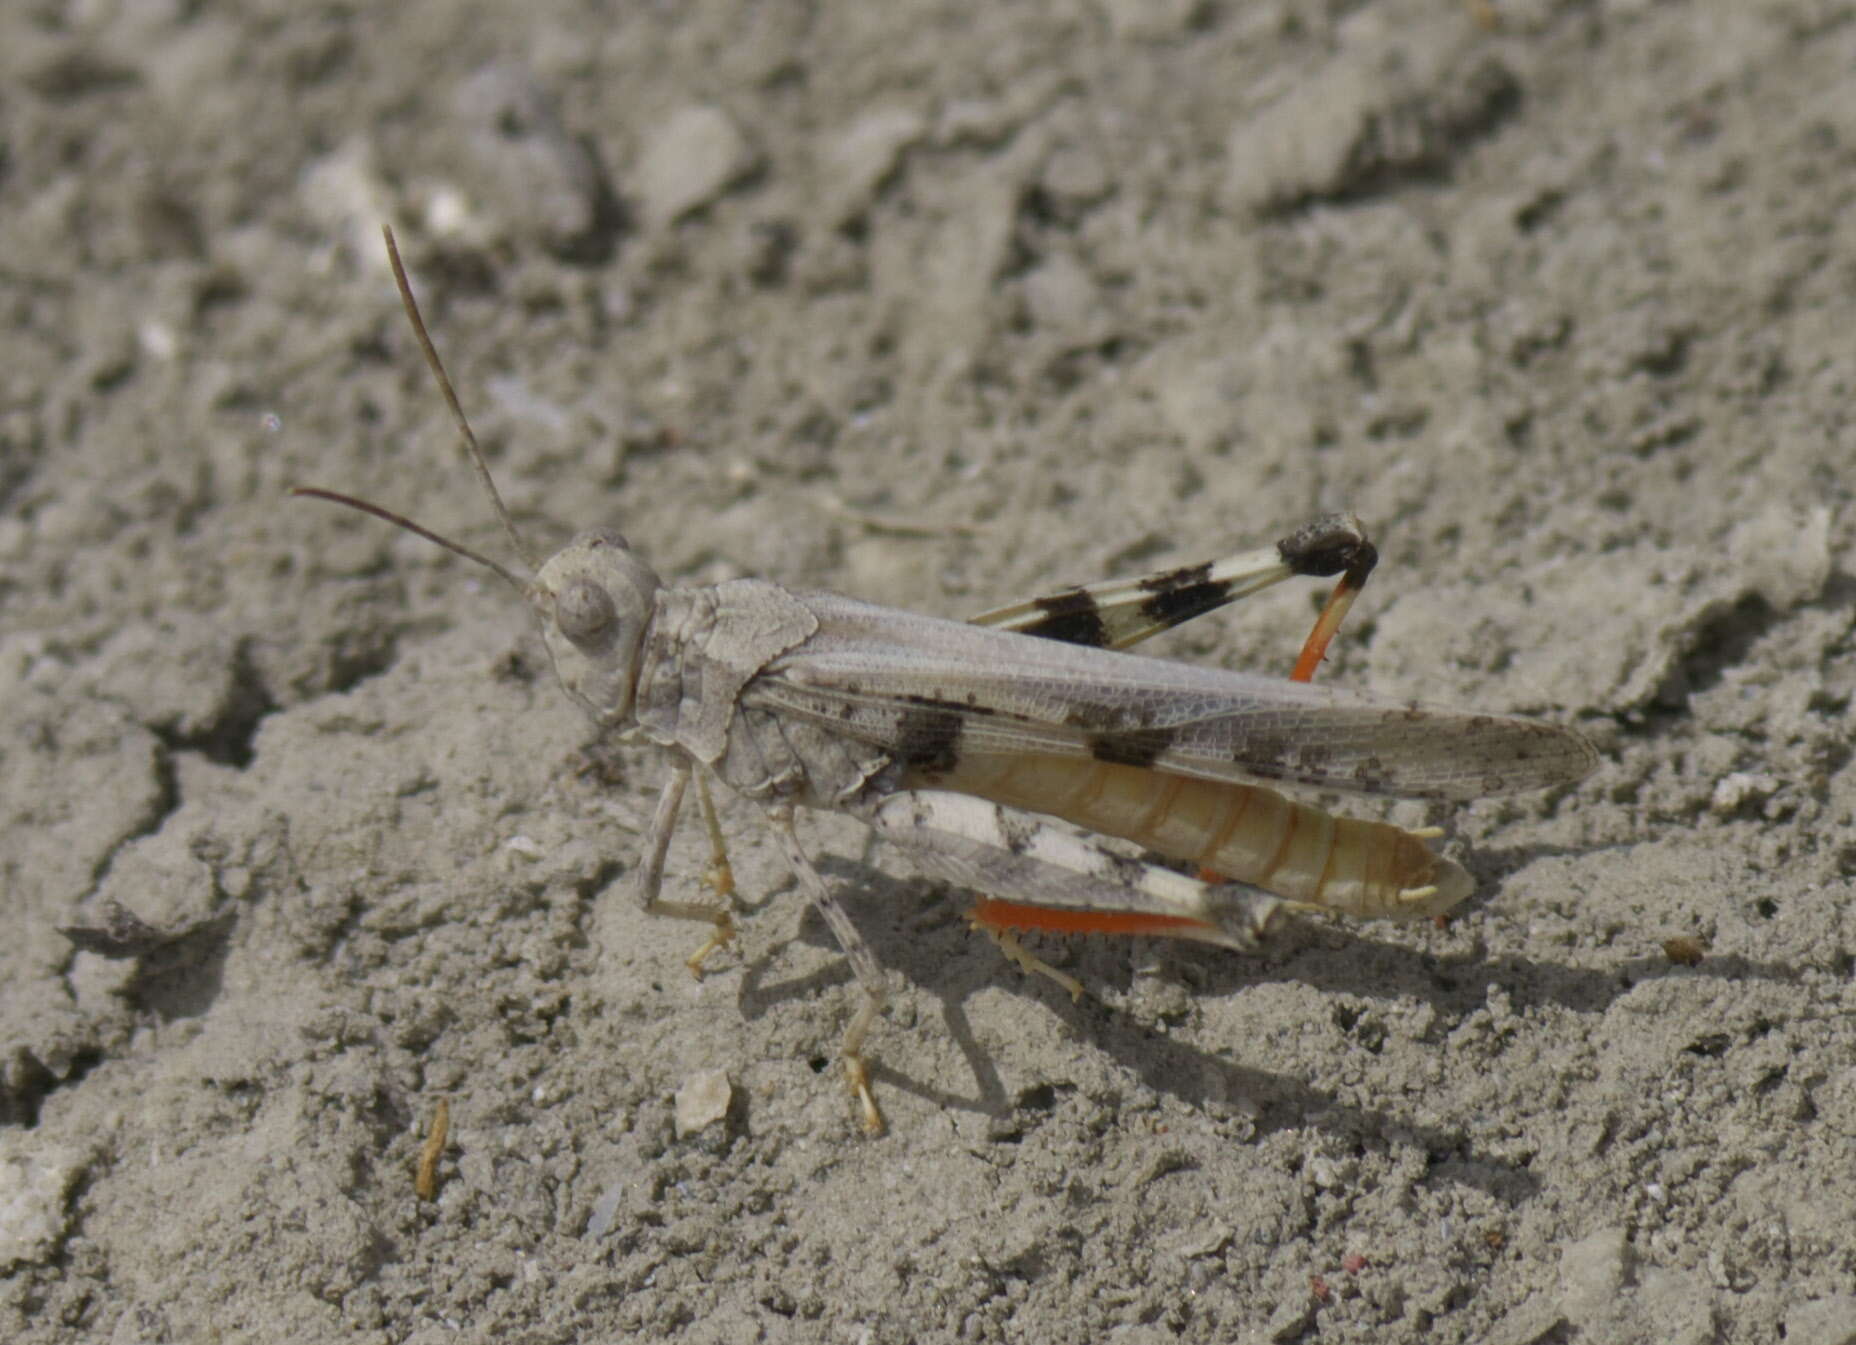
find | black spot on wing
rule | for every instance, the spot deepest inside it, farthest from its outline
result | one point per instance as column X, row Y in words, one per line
column 1370, row 776
column 1131, row 747
column 1315, row 758
column 1266, row 755
column 928, row 734
column 968, row 705
column 1082, row 714
column 1072, row 617
column 1282, row 756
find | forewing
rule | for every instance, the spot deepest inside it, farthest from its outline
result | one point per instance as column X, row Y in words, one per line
column 937, row 692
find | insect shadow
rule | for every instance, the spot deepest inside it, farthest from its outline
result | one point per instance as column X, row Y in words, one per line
column 917, row 926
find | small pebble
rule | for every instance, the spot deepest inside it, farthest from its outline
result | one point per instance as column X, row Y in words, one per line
column 702, row 1101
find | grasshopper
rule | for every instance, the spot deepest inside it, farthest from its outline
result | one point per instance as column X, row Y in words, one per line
column 1001, row 753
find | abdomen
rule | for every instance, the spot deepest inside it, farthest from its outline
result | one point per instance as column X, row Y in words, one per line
column 1247, row 833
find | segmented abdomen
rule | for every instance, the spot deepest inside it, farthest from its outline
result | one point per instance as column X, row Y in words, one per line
column 1245, row 832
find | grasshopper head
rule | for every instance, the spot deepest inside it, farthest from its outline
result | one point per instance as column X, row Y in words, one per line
column 595, row 599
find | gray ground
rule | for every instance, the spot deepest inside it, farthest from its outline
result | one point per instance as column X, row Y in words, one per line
column 940, row 305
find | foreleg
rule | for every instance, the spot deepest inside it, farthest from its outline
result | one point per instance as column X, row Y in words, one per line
column 650, row 881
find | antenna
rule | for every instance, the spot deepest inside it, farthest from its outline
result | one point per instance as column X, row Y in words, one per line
column 469, row 437
column 451, row 397
column 401, row 521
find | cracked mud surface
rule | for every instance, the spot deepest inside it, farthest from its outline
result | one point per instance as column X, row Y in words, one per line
column 943, row 307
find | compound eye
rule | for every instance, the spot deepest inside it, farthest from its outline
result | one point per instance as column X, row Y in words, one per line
column 584, row 613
